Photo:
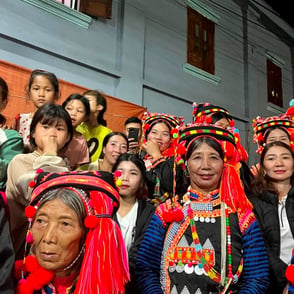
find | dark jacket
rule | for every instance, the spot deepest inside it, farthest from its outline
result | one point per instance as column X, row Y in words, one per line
column 144, row 215
column 266, row 211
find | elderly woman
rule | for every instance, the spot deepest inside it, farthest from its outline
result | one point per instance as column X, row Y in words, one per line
column 212, row 242
column 76, row 247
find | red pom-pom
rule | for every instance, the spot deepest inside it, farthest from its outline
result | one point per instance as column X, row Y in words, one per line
column 21, row 281
column 146, row 126
column 290, row 111
column 290, row 273
column 230, row 150
column 117, row 173
column 91, row 221
column 114, row 204
column 175, row 215
column 39, row 170
column 29, row 238
column 232, row 123
column 167, row 216
column 260, row 137
column 31, row 263
column 208, row 120
column 32, row 184
column 30, row 211
column 181, row 149
column 18, row 268
column 190, row 212
column 178, row 215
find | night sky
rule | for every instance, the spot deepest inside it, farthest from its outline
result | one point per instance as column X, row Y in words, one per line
column 283, row 9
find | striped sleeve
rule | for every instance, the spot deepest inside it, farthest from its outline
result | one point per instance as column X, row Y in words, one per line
column 149, row 258
column 256, row 265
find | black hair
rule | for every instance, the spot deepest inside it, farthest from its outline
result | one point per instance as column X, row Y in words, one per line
column 268, row 131
column 133, row 119
column 49, row 75
column 48, row 114
column 79, row 97
column 139, row 163
column 262, row 181
column 4, row 97
column 109, row 135
column 209, row 141
column 218, row 116
column 100, row 100
column 155, row 123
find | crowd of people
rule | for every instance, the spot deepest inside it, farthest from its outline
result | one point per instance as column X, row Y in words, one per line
column 162, row 206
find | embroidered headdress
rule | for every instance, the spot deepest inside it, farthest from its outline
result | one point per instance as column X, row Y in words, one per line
column 203, row 113
column 149, row 119
column 262, row 127
column 231, row 187
column 104, row 266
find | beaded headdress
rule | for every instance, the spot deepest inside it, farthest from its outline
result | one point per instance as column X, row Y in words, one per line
column 231, row 187
column 203, row 112
column 149, row 119
column 104, row 266
column 261, row 127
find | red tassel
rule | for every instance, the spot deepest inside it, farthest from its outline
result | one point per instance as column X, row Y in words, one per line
column 232, row 191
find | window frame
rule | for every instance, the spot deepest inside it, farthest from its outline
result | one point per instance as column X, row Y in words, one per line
column 61, row 10
column 209, row 18
column 274, row 67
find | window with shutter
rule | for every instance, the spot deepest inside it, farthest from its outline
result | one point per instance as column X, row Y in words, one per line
column 102, row 8
column 200, row 39
column 274, row 83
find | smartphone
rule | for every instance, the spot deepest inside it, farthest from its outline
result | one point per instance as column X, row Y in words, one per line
column 134, row 134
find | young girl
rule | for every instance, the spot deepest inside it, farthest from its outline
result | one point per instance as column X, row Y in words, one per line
column 77, row 151
column 134, row 212
column 42, row 88
column 51, row 130
column 94, row 129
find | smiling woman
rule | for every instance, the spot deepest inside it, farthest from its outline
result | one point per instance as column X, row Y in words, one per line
column 273, row 201
column 200, row 243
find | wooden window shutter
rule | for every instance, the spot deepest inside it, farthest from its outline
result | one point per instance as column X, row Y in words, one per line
column 200, row 41
column 274, row 84
column 102, row 8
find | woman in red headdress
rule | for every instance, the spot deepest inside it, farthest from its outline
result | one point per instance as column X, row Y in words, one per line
column 210, row 241
column 159, row 134
column 73, row 244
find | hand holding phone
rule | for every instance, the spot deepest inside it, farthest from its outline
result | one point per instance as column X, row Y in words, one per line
column 134, row 134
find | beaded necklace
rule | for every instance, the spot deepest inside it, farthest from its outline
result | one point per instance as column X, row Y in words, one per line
column 214, row 199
